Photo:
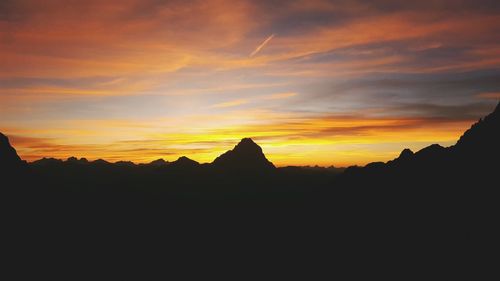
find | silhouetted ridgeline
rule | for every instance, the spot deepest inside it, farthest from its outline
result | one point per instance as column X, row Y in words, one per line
column 471, row 162
column 242, row 169
column 245, row 168
column 429, row 209
column 247, row 156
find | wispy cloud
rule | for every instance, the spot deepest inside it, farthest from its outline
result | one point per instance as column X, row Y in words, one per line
column 257, row 50
column 238, row 102
column 279, row 96
column 492, row 96
column 230, row 103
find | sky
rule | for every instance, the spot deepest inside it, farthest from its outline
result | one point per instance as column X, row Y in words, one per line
column 314, row 82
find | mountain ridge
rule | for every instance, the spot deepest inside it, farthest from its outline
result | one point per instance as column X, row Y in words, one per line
column 479, row 142
column 245, row 156
column 472, row 158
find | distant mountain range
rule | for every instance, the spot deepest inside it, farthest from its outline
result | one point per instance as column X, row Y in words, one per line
column 246, row 156
column 246, row 165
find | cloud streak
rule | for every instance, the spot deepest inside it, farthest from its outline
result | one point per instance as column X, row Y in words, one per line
column 262, row 45
column 230, row 103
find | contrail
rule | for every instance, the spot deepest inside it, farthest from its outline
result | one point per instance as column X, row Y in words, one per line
column 261, row 45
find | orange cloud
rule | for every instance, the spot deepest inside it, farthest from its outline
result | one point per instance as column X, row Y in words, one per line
column 230, row 103
column 492, row 96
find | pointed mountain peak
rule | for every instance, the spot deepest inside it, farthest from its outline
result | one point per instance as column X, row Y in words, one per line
column 246, row 142
column 247, row 145
column 245, row 156
column 184, row 161
column 405, row 154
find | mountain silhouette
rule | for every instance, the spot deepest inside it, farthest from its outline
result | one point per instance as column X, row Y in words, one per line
column 430, row 152
column 101, row 162
column 13, row 170
column 471, row 161
column 159, row 163
column 8, row 154
column 472, row 158
column 45, row 161
column 482, row 138
column 432, row 199
column 76, row 161
column 125, row 163
column 405, row 155
column 246, row 156
column 184, row 162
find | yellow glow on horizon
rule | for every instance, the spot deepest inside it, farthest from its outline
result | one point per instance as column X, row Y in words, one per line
column 316, row 141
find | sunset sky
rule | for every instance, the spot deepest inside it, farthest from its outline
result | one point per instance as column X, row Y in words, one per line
column 312, row 81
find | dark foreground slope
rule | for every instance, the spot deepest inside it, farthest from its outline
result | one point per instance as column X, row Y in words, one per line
column 14, row 172
column 468, row 167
